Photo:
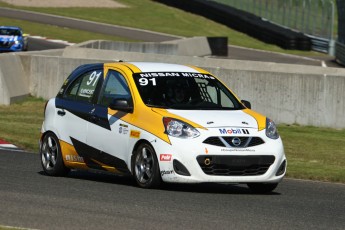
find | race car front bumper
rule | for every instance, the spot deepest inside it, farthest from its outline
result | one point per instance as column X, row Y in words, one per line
column 185, row 162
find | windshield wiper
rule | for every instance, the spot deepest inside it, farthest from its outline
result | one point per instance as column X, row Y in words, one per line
column 158, row 106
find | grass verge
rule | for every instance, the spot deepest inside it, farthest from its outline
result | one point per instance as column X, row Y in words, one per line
column 21, row 123
column 62, row 33
column 150, row 15
column 312, row 153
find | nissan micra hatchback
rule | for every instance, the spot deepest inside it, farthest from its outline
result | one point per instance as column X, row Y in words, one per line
column 159, row 122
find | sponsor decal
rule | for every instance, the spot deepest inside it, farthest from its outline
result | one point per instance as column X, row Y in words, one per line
column 86, row 92
column 206, row 150
column 150, row 78
column 233, row 131
column 135, row 134
column 245, row 131
column 237, row 150
column 175, row 74
column 165, row 172
column 74, row 158
column 165, row 157
column 123, row 129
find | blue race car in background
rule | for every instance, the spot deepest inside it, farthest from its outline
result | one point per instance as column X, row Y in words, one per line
column 12, row 39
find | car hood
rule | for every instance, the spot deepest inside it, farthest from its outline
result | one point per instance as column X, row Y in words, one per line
column 216, row 119
column 6, row 38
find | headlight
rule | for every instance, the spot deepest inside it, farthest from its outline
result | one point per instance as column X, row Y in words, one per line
column 177, row 128
column 271, row 129
column 13, row 43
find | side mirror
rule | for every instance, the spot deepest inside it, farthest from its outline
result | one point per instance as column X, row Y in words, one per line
column 246, row 104
column 121, row 104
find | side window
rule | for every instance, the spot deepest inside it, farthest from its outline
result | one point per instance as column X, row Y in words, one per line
column 115, row 87
column 84, row 87
column 71, row 92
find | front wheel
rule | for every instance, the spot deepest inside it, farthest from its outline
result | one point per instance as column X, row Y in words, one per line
column 51, row 157
column 262, row 187
column 145, row 167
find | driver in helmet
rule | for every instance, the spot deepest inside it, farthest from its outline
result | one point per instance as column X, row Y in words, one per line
column 177, row 94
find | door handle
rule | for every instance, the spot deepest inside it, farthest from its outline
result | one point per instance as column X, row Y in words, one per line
column 61, row 112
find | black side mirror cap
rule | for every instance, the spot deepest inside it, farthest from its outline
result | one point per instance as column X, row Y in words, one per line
column 246, row 104
column 121, row 104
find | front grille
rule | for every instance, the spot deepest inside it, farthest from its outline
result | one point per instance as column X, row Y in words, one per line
column 236, row 142
column 5, row 44
column 235, row 165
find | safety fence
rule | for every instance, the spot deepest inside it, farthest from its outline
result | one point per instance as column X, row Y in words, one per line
column 340, row 45
column 315, row 18
column 245, row 22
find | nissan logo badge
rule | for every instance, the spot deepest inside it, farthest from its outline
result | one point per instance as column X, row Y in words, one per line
column 236, row 141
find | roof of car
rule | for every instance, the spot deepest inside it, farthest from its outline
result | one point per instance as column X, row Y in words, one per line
column 146, row 67
column 10, row 27
column 141, row 67
column 162, row 67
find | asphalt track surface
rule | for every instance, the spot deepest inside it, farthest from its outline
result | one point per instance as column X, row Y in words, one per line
column 84, row 200
column 234, row 52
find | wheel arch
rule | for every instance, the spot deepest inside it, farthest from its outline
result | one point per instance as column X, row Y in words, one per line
column 59, row 168
column 43, row 134
column 137, row 144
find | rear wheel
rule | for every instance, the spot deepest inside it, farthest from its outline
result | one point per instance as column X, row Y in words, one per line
column 145, row 167
column 262, row 187
column 51, row 157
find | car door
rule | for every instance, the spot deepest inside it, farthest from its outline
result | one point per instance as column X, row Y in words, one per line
column 75, row 106
column 109, row 134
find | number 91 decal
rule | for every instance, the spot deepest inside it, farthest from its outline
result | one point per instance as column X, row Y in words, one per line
column 93, row 78
column 145, row 81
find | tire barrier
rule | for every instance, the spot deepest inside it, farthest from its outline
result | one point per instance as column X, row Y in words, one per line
column 218, row 45
column 244, row 22
column 340, row 53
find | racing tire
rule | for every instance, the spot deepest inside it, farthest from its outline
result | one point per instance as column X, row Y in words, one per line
column 51, row 157
column 146, row 167
column 262, row 188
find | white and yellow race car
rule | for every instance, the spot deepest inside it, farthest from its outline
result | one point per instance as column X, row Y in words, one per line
column 159, row 122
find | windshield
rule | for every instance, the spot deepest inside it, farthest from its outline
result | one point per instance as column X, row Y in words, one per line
column 10, row 32
column 188, row 91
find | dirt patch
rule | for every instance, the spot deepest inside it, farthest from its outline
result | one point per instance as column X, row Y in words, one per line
column 65, row 3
